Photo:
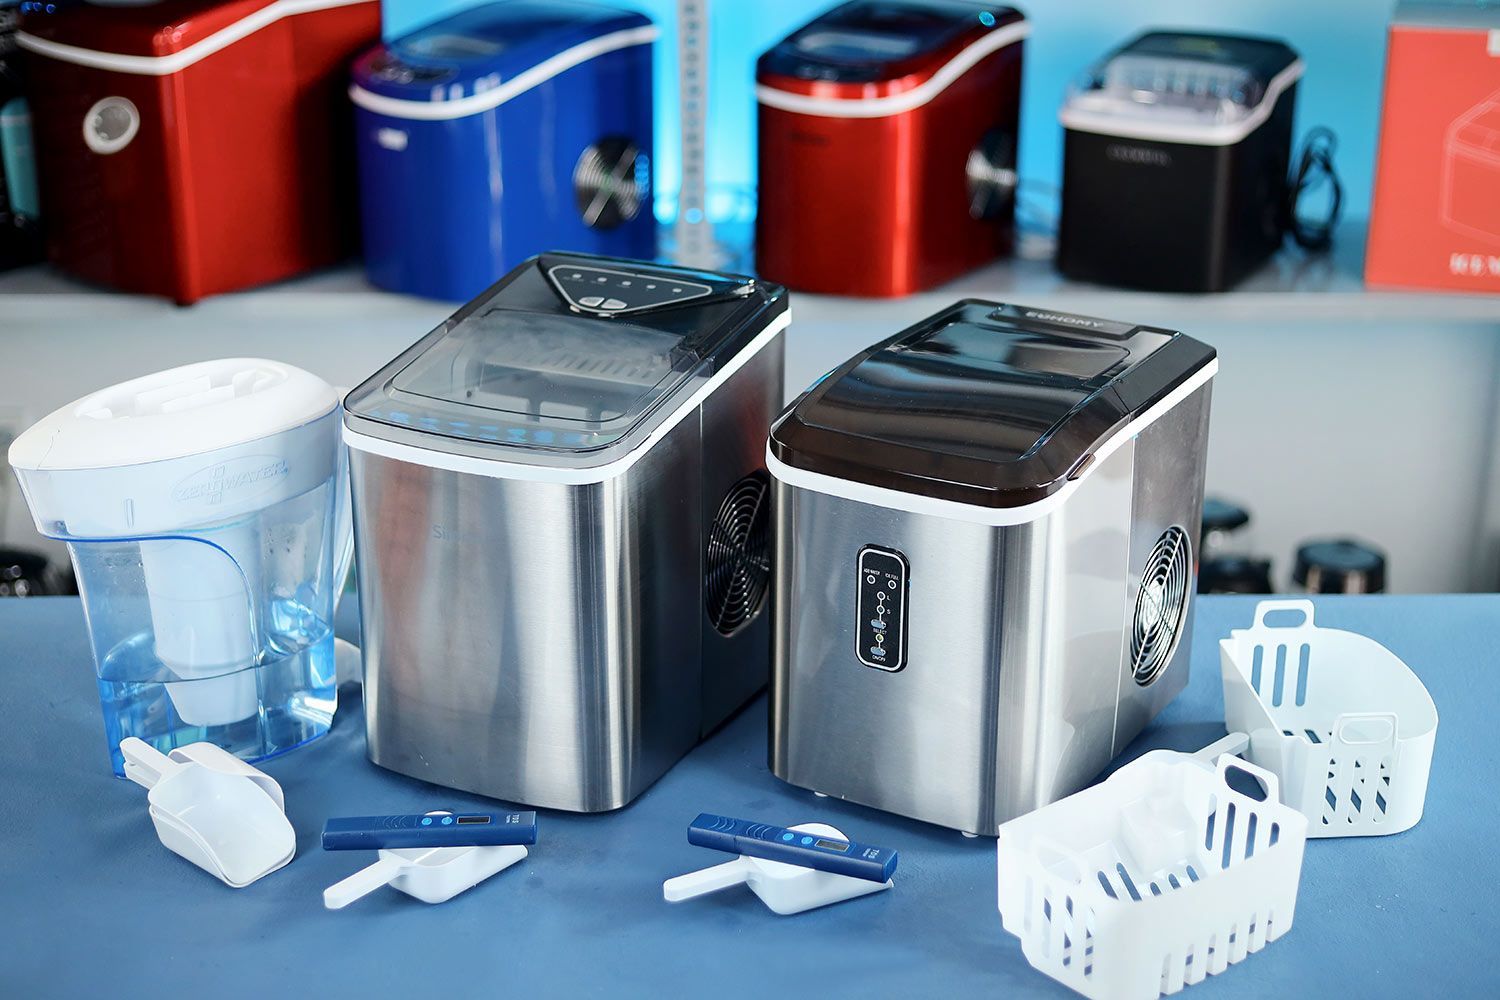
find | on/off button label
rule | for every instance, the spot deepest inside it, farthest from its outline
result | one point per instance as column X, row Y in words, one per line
column 880, row 633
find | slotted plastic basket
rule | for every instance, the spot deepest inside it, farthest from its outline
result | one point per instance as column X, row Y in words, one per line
column 1340, row 719
column 1153, row 879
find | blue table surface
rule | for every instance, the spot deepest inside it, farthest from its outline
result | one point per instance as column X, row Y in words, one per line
column 91, row 904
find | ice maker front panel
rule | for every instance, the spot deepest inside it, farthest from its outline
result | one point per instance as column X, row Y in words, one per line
column 881, row 630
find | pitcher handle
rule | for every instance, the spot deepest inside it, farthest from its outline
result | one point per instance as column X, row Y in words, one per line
column 343, row 515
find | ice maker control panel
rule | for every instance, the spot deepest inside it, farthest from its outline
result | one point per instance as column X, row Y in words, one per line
column 880, row 633
column 604, row 291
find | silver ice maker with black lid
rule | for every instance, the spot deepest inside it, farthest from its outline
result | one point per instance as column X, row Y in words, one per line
column 985, row 565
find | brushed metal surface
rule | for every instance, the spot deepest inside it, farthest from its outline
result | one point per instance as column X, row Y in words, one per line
column 1168, row 491
column 736, row 420
column 1017, row 642
column 539, row 642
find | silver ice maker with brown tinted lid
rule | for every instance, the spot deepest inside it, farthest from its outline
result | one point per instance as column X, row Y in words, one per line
column 562, row 530
column 985, row 565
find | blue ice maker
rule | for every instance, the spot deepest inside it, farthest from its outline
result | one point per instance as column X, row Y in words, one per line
column 500, row 132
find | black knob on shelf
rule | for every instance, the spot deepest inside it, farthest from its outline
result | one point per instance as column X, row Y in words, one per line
column 1339, row 566
column 1221, row 515
column 1235, row 575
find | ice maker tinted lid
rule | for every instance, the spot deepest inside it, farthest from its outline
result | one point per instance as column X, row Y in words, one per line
column 498, row 40
column 874, row 40
column 986, row 404
column 1182, row 77
column 568, row 354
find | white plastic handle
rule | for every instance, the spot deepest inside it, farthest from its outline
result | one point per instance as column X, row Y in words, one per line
column 362, row 883
column 1048, row 852
column 343, row 512
column 144, row 764
column 700, row 883
column 1297, row 604
column 1267, row 779
column 1231, row 745
column 1388, row 719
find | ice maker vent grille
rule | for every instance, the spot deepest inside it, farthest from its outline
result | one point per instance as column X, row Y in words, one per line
column 607, row 183
column 1161, row 605
column 738, row 561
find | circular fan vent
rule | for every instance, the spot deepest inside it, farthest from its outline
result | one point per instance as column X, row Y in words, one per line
column 738, row 562
column 1161, row 605
column 606, row 183
column 991, row 173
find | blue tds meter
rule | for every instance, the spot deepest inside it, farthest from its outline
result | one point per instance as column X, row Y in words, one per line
column 435, row 829
column 774, row 843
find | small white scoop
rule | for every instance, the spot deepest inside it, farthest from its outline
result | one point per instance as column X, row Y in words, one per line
column 213, row 809
column 431, row 874
column 785, row 888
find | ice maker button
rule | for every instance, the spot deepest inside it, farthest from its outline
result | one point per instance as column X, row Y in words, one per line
column 613, row 304
column 591, row 301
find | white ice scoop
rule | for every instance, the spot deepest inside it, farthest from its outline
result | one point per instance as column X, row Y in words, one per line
column 785, row 888
column 213, row 809
column 431, row 874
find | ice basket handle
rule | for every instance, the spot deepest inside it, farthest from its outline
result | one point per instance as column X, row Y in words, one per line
column 1367, row 720
column 1301, row 605
column 1267, row 779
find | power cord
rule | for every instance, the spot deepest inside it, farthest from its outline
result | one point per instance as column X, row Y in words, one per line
column 1315, row 166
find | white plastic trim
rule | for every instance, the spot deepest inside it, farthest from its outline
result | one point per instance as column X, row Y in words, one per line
column 172, row 63
column 895, row 104
column 880, row 496
column 499, row 469
column 514, row 87
column 1227, row 134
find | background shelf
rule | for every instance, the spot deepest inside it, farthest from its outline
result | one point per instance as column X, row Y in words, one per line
column 1338, row 409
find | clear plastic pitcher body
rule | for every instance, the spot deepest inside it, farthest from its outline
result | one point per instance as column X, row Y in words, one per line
column 209, row 583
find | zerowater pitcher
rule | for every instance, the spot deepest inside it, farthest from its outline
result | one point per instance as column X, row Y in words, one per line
column 206, row 512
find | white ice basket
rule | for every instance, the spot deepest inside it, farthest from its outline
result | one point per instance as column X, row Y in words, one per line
column 1345, row 725
column 1151, row 880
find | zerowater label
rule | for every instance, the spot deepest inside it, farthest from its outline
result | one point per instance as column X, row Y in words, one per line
column 233, row 481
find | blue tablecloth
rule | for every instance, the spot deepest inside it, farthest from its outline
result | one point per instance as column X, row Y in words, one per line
column 92, row 905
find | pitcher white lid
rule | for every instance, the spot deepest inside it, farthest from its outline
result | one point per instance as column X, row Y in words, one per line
column 191, row 410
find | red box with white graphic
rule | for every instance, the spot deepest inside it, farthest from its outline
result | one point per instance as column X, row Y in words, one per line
column 1435, row 218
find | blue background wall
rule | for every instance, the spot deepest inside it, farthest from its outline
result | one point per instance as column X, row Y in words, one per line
column 1341, row 41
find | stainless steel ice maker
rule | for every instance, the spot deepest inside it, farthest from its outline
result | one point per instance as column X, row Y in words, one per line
column 984, row 559
column 562, row 529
